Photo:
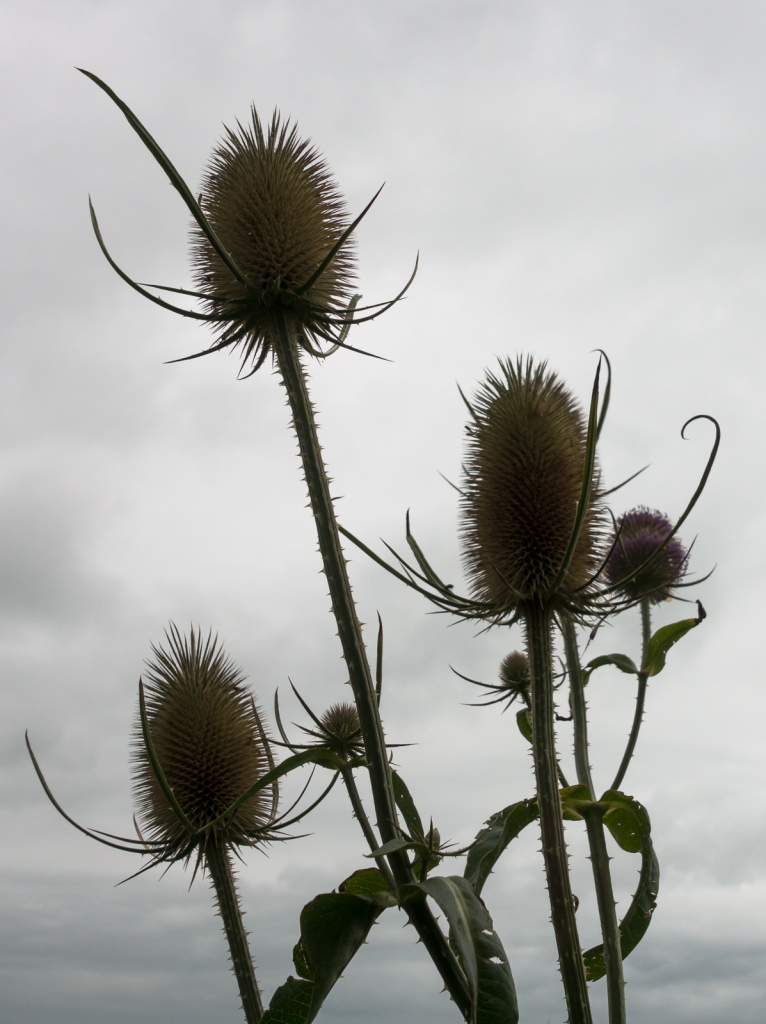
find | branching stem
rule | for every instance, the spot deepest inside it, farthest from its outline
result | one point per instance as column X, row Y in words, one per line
column 286, row 351
column 364, row 821
column 538, row 629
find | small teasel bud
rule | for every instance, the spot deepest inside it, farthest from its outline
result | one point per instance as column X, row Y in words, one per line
column 208, row 739
column 523, row 478
column 270, row 199
column 514, row 672
column 341, row 730
column 641, row 532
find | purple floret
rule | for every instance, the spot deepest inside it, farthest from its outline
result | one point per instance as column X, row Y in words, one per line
column 642, row 532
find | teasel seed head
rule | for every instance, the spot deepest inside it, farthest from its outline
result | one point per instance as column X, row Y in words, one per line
column 271, row 201
column 515, row 675
column 523, row 478
column 641, row 532
column 209, row 741
column 342, row 731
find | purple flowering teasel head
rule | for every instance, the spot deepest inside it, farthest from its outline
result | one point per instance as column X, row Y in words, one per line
column 641, row 533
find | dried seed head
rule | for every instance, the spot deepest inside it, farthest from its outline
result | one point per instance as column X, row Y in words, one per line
column 272, row 203
column 341, row 730
column 515, row 675
column 523, row 476
column 208, row 739
column 642, row 530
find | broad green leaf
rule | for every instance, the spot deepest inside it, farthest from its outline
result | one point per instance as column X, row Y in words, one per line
column 370, row 884
column 663, row 640
column 333, row 927
column 624, row 819
column 392, row 846
column 492, row 840
column 406, row 805
column 636, row 921
column 620, row 661
column 525, row 726
column 573, row 800
column 477, row 946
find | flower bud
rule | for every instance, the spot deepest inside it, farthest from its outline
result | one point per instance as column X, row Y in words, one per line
column 515, row 676
column 208, row 739
column 523, row 478
column 642, row 531
column 341, row 730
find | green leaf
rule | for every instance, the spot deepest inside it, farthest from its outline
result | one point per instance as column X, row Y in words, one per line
column 477, row 946
column 400, row 843
column 663, row 640
column 333, row 927
column 491, row 841
column 624, row 819
column 371, row 885
column 620, row 661
column 573, row 800
column 406, row 805
column 525, row 726
column 636, row 921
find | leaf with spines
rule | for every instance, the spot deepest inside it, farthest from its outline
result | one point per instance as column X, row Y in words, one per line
column 629, row 819
column 477, row 945
column 333, row 927
column 492, row 841
column 620, row 661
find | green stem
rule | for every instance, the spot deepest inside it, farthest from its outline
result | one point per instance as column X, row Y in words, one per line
column 364, row 821
column 610, row 930
column 219, row 866
column 638, row 717
column 538, row 629
column 602, row 877
column 360, row 677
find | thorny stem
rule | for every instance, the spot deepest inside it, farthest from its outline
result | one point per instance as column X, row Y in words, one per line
column 610, row 930
column 638, row 717
column 599, row 856
column 360, row 677
column 364, row 821
column 219, row 866
column 538, row 629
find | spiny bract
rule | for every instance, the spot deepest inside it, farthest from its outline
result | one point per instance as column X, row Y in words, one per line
column 208, row 739
column 523, row 476
column 271, row 201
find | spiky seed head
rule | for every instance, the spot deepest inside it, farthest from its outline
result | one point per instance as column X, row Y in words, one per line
column 341, row 730
column 523, row 476
column 642, row 530
column 209, row 741
column 515, row 675
column 271, row 201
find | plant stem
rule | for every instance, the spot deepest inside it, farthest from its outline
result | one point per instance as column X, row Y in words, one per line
column 538, row 629
column 638, row 717
column 602, row 877
column 610, row 931
column 360, row 677
column 361, row 817
column 219, row 866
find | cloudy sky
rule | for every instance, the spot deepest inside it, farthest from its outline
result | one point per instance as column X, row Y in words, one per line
column 576, row 174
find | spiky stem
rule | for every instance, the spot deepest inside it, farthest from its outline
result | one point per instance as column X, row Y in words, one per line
column 638, row 717
column 219, row 865
column 360, row 676
column 610, row 930
column 538, row 623
column 602, row 878
column 364, row 822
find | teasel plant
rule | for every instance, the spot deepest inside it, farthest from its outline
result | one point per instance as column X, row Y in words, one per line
column 205, row 783
column 272, row 257
column 536, row 551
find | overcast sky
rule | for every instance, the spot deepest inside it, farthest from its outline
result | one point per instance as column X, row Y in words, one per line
column 576, row 174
